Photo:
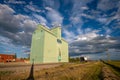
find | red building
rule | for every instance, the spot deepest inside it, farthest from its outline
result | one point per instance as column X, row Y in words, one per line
column 7, row 58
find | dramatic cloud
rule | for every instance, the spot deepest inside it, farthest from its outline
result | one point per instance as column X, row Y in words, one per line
column 89, row 41
column 89, row 26
column 97, row 44
column 12, row 25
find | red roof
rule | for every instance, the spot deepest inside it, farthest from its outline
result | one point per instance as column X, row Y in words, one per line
column 7, row 54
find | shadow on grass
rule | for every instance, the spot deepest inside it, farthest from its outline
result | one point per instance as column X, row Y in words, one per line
column 31, row 76
column 113, row 66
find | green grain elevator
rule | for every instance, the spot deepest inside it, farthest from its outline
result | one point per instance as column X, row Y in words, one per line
column 47, row 46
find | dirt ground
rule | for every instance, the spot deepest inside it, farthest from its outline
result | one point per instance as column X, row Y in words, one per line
column 23, row 67
column 9, row 70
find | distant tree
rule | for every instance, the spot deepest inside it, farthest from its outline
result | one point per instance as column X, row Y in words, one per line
column 77, row 59
column 21, row 58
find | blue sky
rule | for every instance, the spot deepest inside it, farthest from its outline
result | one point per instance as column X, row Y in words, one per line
column 92, row 27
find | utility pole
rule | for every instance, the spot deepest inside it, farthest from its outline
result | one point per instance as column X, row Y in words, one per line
column 108, row 55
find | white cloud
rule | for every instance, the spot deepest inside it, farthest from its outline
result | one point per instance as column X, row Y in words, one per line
column 79, row 31
column 69, row 35
column 22, row 32
column 88, row 16
column 87, row 30
column 102, row 20
column 33, row 8
column 30, row 7
column 51, row 3
column 4, row 39
column 40, row 19
column 75, row 19
column 108, row 31
column 104, row 5
column 6, row 9
column 100, row 13
column 54, row 16
column 14, row 2
column 77, row 11
column 88, row 36
column 92, row 43
column 80, row 4
column 21, row 17
column 84, row 8
column 29, row 23
column 107, row 4
column 83, row 35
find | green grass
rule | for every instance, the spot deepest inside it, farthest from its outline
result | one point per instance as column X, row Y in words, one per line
column 116, row 63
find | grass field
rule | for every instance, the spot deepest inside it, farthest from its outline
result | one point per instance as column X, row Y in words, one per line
column 116, row 63
column 114, row 66
column 94, row 70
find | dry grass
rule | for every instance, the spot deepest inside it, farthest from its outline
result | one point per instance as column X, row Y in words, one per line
column 114, row 66
column 116, row 63
column 66, row 71
column 86, row 71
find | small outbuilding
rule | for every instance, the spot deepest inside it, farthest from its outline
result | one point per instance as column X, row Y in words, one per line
column 7, row 58
column 83, row 59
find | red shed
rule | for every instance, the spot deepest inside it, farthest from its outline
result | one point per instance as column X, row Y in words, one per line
column 7, row 58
